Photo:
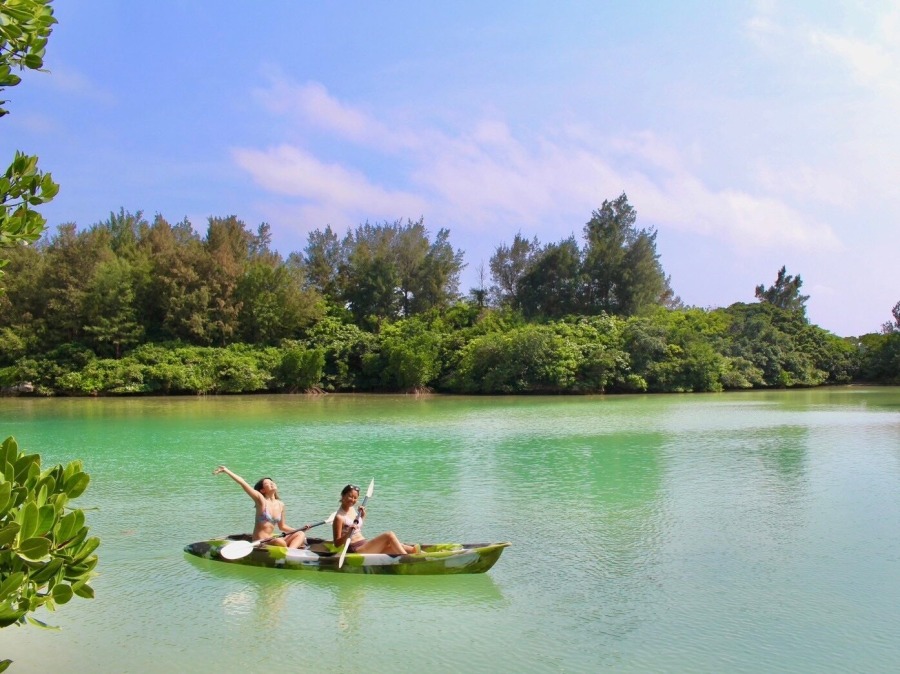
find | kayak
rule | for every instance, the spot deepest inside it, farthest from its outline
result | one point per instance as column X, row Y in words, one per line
column 434, row 559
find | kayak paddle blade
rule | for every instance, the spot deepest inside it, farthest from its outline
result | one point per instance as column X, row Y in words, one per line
column 236, row 550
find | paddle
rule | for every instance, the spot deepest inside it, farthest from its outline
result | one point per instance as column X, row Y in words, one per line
column 356, row 521
column 238, row 549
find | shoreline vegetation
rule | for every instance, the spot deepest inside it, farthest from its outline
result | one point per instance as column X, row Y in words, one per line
column 129, row 307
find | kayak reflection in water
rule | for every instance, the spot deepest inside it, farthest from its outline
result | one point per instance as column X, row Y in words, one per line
column 269, row 512
column 343, row 528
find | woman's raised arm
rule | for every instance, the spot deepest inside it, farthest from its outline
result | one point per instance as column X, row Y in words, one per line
column 251, row 492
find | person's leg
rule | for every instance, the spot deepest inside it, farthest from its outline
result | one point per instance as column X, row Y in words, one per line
column 386, row 543
column 295, row 540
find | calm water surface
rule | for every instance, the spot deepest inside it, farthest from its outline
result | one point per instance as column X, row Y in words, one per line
column 742, row 532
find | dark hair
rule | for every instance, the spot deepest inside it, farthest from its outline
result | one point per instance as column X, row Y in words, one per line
column 350, row 487
column 259, row 482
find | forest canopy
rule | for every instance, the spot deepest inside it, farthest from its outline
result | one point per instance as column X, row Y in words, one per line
column 133, row 306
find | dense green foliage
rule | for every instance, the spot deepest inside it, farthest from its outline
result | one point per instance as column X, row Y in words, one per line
column 25, row 26
column 46, row 556
column 384, row 271
column 616, row 272
column 881, row 352
column 132, row 307
column 784, row 293
column 471, row 350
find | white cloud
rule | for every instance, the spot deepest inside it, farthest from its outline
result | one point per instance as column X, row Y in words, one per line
column 869, row 51
column 869, row 62
column 489, row 178
column 838, row 144
column 312, row 103
column 682, row 201
column 293, row 172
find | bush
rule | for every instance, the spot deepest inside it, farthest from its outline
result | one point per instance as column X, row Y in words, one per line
column 301, row 369
column 526, row 360
column 46, row 556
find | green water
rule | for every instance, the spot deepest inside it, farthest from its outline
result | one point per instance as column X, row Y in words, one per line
column 749, row 532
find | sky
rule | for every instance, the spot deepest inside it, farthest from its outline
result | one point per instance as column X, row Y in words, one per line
column 750, row 135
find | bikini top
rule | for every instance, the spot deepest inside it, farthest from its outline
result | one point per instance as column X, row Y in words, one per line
column 348, row 522
column 265, row 517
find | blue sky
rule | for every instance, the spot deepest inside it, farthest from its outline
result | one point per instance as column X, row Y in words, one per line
column 750, row 135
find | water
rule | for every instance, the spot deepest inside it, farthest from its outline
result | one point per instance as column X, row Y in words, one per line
column 741, row 532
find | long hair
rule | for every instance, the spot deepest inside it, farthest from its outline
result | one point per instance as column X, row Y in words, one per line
column 259, row 482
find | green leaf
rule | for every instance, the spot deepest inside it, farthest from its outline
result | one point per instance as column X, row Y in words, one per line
column 83, row 590
column 10, row 80
column 10, row 450
column 73, row 542
column 68, row 525
column 46, row 520
column 23, row 466
column 18, row 497
column 33, row 61
column 11, row 584
column 12, row 31
column 41, row 623
column 76, row 485
column 10, row 615
column 71, row 468
column 49, row 188
column 5, row 493
column 87, row 548
column 35, row 549
column 28, row 520
column 47, row 572
column 62, row 593
column 8, row 534
column 41, row 494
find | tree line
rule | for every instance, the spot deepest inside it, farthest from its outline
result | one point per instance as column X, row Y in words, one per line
column 130, row 306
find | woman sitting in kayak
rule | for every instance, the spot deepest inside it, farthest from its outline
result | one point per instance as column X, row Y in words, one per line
column 269, row 512
column 343, row 528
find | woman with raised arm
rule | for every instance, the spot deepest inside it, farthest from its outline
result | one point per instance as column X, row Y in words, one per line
column 269, row 512
column 344, row 528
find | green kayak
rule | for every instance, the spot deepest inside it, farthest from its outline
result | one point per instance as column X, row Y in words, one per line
column 434, row 559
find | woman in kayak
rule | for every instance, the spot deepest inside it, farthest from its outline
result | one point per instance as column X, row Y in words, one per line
column 269, row 512
column 344, row 528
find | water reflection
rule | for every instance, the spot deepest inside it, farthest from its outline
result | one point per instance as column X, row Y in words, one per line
column 602, row 488
column 255, row 595
column 355, row 598
column 268, row 595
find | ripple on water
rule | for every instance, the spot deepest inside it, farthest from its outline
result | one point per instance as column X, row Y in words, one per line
column 738, row 533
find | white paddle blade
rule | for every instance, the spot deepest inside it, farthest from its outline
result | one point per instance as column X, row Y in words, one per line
column 370, row 489
column 236, row 550
column 343, row 553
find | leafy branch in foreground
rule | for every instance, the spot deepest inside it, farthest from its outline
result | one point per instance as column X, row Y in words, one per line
column 25, row 27
column 46, row 556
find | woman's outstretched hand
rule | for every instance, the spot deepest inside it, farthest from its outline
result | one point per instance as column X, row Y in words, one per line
column 220, row 469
